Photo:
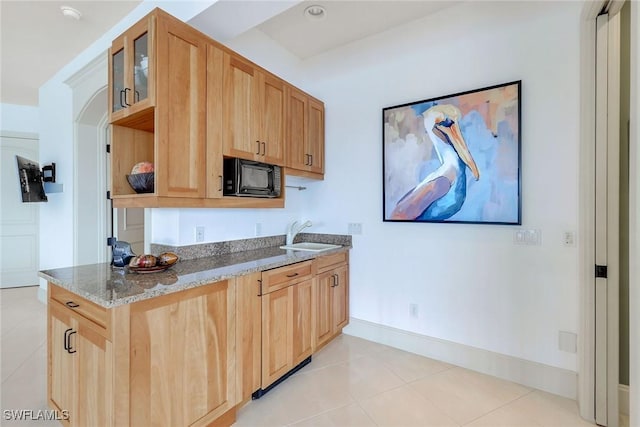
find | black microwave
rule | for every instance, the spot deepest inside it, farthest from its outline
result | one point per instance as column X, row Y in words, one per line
column 251, row 179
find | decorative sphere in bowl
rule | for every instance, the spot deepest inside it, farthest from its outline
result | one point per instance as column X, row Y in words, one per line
column 141, row 182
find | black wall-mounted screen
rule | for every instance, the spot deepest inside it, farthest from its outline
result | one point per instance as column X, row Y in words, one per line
column 30, row 178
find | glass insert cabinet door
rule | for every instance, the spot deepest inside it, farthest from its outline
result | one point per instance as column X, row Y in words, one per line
column 118, row 83
column 141, row 67
column 130, row 67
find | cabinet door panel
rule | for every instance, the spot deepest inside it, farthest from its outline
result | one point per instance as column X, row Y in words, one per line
column 272, row 120
column 93, row 364
column 240, row 99
column 340, row 303
column 180, row 113
column 182, row 356
column 316, row 136
column 302, row 321
column 323, row 307
column 61, row 370
column 297, row 122
column 248, row 335
column 277, row 330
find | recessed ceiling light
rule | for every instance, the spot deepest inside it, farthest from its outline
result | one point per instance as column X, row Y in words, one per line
column 315, row 12
column 70, row 12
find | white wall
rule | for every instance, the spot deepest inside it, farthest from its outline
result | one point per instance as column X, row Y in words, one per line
column 471, row 283
column 19, row 118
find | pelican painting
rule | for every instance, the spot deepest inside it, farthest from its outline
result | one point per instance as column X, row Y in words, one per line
column 454, row 158
column 442, row 193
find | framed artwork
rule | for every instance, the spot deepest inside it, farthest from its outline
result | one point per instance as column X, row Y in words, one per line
column 455, row 158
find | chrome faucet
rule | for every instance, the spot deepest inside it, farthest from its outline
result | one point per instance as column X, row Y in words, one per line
column 293, row 230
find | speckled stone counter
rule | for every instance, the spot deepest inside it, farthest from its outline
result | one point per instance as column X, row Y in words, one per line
column 111, row 287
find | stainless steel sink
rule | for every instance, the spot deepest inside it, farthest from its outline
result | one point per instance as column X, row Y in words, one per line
column 310, row 247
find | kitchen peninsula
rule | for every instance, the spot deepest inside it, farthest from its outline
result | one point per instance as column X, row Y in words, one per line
column 190, row 345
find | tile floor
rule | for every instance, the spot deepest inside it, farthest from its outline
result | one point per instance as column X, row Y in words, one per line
column 351, row 382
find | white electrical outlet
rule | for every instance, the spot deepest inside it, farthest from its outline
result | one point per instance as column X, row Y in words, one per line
column 355, row 228
column 569, row 238
column 199, row 233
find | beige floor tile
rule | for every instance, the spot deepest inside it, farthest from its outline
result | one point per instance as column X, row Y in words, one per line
column 26, row 389
column 506, row 416
column 404, row 406
column 351, row 415
column 409, row 366
column 466, row 395
column 342, row 349
column 367, row 377
column 549, row 410
column 21, row 342
column 18, row 305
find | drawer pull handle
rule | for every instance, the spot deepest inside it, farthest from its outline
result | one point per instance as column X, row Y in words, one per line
column 292, row 275
column 258, row 143
column 264, row 148
column 71, row 304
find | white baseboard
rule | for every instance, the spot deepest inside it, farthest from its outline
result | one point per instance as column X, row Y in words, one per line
column 554, row 380
column 623, row 399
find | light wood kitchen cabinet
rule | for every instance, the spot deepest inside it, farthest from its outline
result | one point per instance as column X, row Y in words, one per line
column 79, row 361
column 132, row 70
column 183, row 357
column 254, row 112
column 331, row 297
column 172, row 135
column 168, row 360
column 286, row 319
column 305, row 135
column 248, row 335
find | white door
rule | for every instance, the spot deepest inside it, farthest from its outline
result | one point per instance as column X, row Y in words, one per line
column 607, row 219
column 19, row 251
column 129, row 226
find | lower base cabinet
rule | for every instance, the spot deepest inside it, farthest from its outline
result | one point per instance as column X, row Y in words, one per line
column 190, row 358
column 168, row 360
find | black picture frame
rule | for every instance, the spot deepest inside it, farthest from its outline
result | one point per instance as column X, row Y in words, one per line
column 454, row 158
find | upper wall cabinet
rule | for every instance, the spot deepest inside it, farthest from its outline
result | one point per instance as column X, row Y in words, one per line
column 132, row 70
column 254, row 112
column 305, row 135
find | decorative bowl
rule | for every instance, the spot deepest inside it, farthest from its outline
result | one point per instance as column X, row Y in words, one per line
column 141, row 182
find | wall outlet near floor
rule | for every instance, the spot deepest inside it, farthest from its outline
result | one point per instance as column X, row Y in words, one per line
column 355, row 228
column 199, row 233
column 413, row 310
column 568, row 341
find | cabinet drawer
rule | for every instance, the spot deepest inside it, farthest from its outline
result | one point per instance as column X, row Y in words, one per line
column 86, row 309
column 281, row 277
column 329, row 261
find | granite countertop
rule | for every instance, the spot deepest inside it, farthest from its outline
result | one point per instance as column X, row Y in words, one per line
column 110, row 287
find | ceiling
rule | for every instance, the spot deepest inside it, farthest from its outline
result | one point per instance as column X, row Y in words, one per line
column 37, row 40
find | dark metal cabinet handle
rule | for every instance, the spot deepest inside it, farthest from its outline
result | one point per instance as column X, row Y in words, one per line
column 221, row 182
column 69, row 349
column 122, row 102
column 71, row 304
column 137, row 96
column 125, row 97
column 310, row 159
column 306, row 160
column 264, row 148
column 258, row 143
column 292, row 275
column 259, row 288
column 335, row 280
column 66, row 338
